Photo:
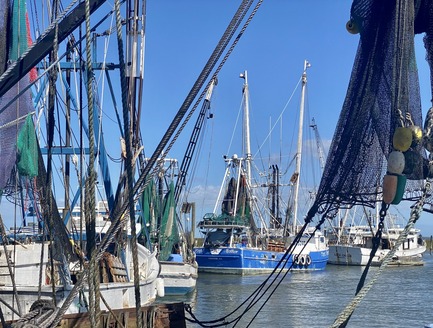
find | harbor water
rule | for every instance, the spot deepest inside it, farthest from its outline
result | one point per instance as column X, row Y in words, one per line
column 401, row 297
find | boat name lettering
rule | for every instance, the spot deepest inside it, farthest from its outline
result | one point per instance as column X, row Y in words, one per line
column 232, row 251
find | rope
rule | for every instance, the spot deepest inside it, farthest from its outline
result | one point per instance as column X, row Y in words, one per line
column 8, row 261
column 403, row 15
column 112, row 313
column 344, row 316
column 53, row 25
column 145, row 177
column 257, row 295
column 49, row 210
column 376, row 243
column 41, row 315
column 128, row 162
column 93, row 281
column 16, row 120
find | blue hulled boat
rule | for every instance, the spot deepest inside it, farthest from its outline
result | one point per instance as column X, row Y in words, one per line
column 249, row 238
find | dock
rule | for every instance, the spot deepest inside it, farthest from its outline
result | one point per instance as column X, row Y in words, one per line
column 170, row 315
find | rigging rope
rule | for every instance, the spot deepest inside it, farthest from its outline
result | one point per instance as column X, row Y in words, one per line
column 128, row 163
column 4, row 238
column 145, row 177
column 344, row 316
column 89, row 205
column 47, row 31
column 41, row 315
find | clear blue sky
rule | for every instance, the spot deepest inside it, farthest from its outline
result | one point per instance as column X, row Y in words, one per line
column 181, row 35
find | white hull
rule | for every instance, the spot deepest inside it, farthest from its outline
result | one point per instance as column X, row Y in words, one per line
column 117, row 295
column 356, row 255
column 180, row 278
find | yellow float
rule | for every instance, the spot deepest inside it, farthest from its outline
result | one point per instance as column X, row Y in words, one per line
column 402, row 139
column 416, row 134
column 352, row 27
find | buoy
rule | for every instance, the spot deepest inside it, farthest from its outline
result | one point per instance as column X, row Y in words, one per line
column 308, row 260
column 402, row 138
column 352, row 27
column 303, row 260
column 401, row 186
column 389, row 188
column 416, row 135
column 395, row 162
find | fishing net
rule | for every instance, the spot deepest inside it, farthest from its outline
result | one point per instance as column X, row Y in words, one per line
column 12, row 112
column 383, row 95
column 27, row 150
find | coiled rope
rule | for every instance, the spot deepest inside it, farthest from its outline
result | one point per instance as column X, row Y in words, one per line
column 41, row 315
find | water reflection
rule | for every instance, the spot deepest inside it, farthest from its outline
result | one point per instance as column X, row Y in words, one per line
column 400, row 298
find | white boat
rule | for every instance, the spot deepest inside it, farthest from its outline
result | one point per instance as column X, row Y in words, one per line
column 352, row 245
column 180, row 277
column 84, row 259
column 33, row 281
column 239, row 240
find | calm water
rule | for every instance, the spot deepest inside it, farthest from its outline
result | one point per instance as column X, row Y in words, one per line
column 402, row 297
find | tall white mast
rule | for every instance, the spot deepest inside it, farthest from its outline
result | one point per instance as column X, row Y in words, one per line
column 246, row 127
column 299, row 151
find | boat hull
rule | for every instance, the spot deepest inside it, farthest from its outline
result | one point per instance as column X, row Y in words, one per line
column 355, row 255
column 246, row 261
column 180, row 278
column 116, row 295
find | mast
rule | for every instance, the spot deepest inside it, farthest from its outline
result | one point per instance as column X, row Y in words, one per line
column 246, row 127
column 299, row 150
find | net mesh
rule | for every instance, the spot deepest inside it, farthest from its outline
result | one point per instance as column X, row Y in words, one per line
column 27, row 150
column 383, row 94
column 11, row 117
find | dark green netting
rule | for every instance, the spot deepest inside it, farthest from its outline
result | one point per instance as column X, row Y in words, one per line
column 383, row 94
column 169, row 232
column 12, row 30
column 159, row 215
column 27, row 150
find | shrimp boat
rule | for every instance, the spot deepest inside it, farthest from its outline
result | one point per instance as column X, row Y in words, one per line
column 351, row 244
column 179, row 268
column 83, row 261
column 234, row 243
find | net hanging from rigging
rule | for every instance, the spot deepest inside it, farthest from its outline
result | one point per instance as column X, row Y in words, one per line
column 382, row 104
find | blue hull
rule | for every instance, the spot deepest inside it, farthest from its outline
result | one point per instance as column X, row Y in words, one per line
column 252, row 261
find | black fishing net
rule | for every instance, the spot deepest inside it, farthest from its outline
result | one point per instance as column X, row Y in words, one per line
column 383, row 94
